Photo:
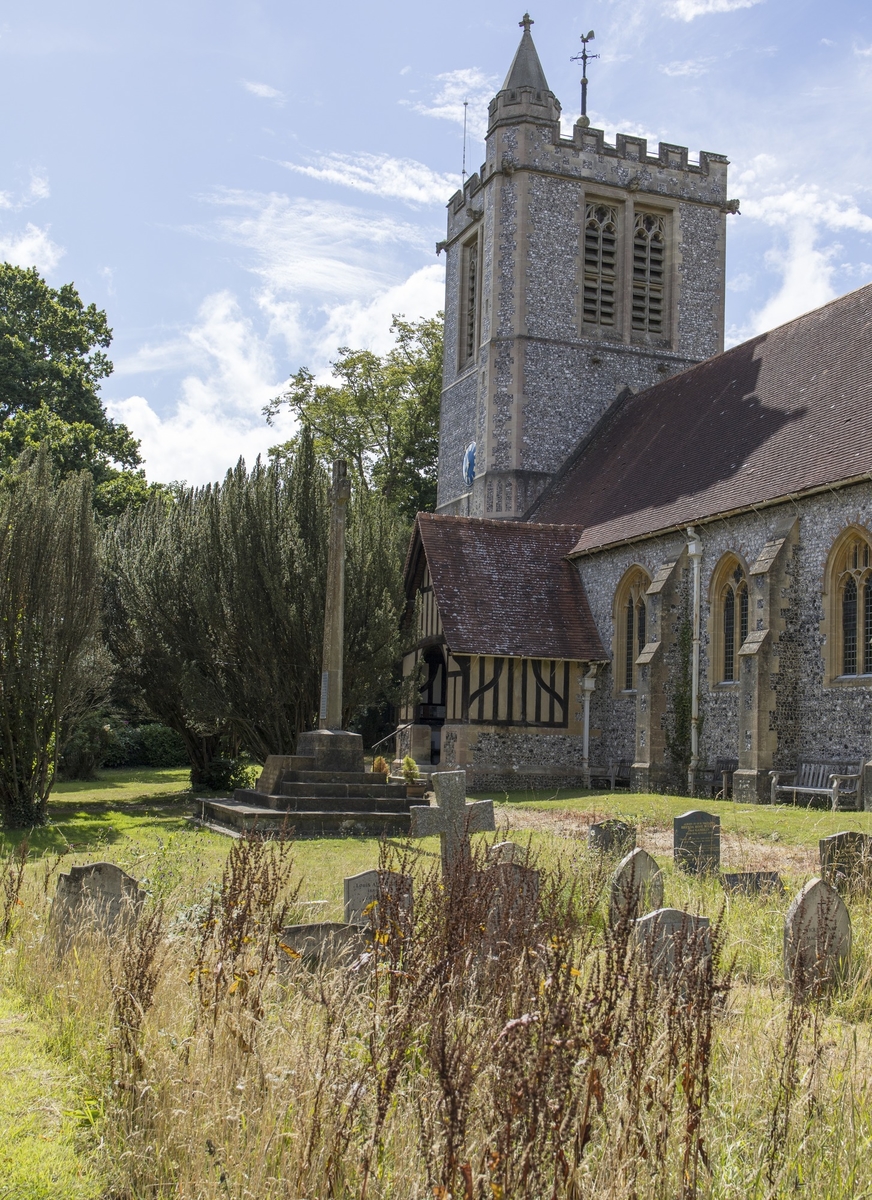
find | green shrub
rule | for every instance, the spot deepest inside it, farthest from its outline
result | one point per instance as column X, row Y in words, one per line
column 163, row 747
column 126, row 747
column 225, row 775
column 86, row 747
column 411, row 774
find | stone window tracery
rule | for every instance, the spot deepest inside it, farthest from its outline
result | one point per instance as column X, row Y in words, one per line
column 649, row 273
column 631, row 620
column 728, row 627
column 850, row 610
column 469, row 303
column 600, row 264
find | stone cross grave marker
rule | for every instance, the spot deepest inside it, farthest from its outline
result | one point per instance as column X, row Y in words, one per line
column 672, row 940
column 817, row 937
column 752, row 883
column 696, row 839
column 611, row 837
column 97, row 896
column 390, row 888
column 846, row 859
column 452, row 818
column 637, row 887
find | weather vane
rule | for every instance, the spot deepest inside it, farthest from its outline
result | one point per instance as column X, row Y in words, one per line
column 584, row 58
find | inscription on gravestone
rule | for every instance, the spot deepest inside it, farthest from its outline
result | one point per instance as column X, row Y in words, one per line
column 817, row 937
column 97, row 895
column 611, row 837
column 846, row 859
column 697, row 842
column 637, row 886
column 752, row 883
column 389, row 888
column 672, row 940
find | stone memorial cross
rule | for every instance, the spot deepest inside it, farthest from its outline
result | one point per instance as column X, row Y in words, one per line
column 452, row 818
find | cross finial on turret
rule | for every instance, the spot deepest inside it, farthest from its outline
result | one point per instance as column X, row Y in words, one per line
column 525, row 22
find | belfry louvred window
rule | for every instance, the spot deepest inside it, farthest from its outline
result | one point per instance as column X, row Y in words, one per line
column 649, row 273
column 469, row 303
column 600, row 264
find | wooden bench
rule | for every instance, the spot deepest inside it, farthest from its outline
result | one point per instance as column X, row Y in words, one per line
column 719, row 778
column 616, row 774
column 840, row 782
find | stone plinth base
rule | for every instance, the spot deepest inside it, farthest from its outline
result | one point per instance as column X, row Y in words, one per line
column 332, row 750
column 751, row 787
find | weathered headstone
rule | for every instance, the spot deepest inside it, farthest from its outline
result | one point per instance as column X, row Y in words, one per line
column 637, row 886
column 452, row 818
column 514, row 891
column 672, row 940
column 697, row 842
column 611, row 837
column 846, row 859
column 752, row 883
column 331, row 943
column 97, row 896
column 389, row 888
column 817, row 937
column 505, row 852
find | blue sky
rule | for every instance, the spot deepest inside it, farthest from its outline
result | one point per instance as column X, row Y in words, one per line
column 246, row 186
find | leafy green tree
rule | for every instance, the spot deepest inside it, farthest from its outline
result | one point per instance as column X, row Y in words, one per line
column 215, row 605
column 382, row 414
column 49, row 620
column 52, row 360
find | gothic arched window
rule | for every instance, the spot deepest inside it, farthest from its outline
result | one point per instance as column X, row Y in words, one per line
column 849, row 587
column 649, row 273
column 631, row 627
column 600, row 264
column 728, row 626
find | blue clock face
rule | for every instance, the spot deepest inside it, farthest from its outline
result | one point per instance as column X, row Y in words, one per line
column 469, row 464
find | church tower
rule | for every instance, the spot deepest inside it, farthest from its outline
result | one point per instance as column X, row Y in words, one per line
column 575, row 269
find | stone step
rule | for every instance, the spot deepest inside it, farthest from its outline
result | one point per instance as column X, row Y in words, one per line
column 235, row 815
column 329, row 803
column 338, row 790
column 369, row 777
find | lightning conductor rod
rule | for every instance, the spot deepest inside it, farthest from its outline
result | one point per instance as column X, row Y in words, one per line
column 584, row 58
column 463, row 172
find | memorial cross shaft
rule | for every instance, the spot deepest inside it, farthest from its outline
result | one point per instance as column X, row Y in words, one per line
column 452, row 818
column 330, row 713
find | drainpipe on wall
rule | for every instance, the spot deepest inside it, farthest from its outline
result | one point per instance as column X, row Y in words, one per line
column 588, row 683
column 694, row 550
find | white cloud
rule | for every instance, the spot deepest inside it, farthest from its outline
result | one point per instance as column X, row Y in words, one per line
column 381, row 175
column 740, row 283
column 32, row 248
column 366, row 325
column 218, row 416
column 862, row 51
column 36, row 190
column 454, row 87
column 329, row 251
column 806, row 278
column 686, row 10
column 263, row 90
column 692, row 67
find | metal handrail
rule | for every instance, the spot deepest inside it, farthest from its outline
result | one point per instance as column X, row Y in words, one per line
column 399, row 729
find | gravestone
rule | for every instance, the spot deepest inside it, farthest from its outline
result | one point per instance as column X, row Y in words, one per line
column 330, row 943
column 505, row 852
column 846, row 859
column 817, row 937
column 98, row 896
column 752, row 883
column 514, row 892
column 671, row 940
column 391, row 889
column 611, row 837
column 637, row 886
column 696, row 839
column 452, row 818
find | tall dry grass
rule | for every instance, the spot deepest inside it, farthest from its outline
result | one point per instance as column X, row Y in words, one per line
column 527, row 1051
